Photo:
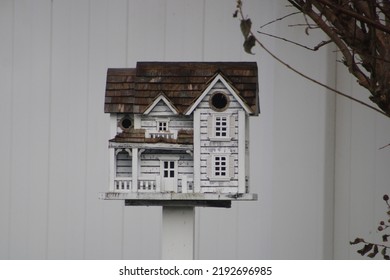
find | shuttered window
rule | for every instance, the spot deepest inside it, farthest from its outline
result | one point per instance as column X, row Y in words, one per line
column 220, row 167
column 123, row 164
column 221, row 127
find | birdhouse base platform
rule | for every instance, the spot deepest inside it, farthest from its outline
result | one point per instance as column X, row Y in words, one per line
column 178, row 199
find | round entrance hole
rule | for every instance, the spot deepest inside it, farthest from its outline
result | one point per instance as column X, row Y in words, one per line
column 219, row 101
column 125, row 123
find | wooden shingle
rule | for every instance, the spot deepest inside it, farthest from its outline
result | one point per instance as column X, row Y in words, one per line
column 130, row 90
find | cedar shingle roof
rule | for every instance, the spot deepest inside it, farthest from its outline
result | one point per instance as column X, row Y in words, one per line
column 131, row 90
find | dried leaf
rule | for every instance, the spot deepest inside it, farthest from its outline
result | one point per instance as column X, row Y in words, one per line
column 249, row 44
column 383, row 252
column 246, row 25
column 356, row 241
column 373, row 253
column 385, row 237
column 365, row 249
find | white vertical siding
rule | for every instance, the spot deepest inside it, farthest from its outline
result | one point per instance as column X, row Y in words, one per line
column 362, row 169
column 53, row 146
column 6, row 97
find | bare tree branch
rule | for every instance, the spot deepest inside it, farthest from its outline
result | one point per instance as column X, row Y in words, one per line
column 316, row 48
column 278, row 19
column 250, row 35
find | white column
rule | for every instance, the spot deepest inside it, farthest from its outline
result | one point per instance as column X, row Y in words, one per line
column 134, row 158
column 178, row 230
column 196, row 151
column 112, row 169
column 241, row 151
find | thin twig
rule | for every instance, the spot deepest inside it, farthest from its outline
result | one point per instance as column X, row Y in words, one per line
column 384, row 146
column 305, row 76
column 295, row 43
column 278, row 19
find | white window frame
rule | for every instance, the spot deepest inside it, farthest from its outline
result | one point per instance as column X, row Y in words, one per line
column 168, row 170
column 216, row 167
column 220, row 166
column 162, row 121
column 219, row 128
column 212, row 123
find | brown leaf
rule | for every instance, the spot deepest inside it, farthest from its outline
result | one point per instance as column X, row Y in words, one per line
column 249, row 44
column 383, row 252
column 246, row 25
column 373, row 253
column 365, row 249
column 356, row 241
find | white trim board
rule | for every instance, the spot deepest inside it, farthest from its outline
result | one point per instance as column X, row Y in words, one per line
column 218, row 78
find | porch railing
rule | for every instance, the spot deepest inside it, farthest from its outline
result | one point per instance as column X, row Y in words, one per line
column 147, row 185
column 167, row 135
column 125, row 184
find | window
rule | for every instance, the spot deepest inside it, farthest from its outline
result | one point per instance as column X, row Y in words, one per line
column 220, row 167
column 162, row 126
column 169, row 169
column 221, row 126
column 123, row 164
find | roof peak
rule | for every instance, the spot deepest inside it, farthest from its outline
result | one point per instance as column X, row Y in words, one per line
column 132, row 90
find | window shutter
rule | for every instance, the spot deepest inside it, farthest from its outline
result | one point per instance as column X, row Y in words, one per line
column 232, row 127
column 231, row 167
column 210, row 126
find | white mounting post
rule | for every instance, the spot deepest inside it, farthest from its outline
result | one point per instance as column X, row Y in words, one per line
column 178, row 231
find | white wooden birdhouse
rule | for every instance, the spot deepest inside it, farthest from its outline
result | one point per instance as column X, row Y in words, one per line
column 180, row 132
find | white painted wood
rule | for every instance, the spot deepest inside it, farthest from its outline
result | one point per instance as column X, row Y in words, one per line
column 197, row 161
column 209, row 91
column 39, row 121
column 22, row 44
column 6, row 98
column 182, row 16
column 112, row 168
column 241, row 152
column 178, row 228
column 247, row 155
column 161, row 106
column 107, row 46
column 59, row 130
column 135, row 164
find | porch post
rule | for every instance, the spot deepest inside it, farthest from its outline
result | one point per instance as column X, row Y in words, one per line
column 134, row 163
column 178, row 231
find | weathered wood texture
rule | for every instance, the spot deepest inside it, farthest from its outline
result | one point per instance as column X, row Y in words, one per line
column 132, row 90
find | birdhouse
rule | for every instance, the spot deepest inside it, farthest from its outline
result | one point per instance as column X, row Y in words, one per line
column 180, row 132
